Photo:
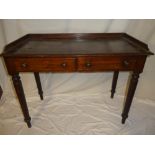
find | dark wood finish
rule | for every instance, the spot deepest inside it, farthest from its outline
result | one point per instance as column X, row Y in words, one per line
column 38, row 82
column 73, row 64
column 1, row 92
column 21, row 97
column 106, row 63
column 129, row 98
column 75, row 52
column 53, row 64
column 114, row 83
column 44, row 45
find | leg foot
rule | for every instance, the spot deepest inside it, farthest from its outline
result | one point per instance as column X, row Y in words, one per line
column 28, row 123
column 124, row 119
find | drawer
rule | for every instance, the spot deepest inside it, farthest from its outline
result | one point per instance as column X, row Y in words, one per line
column 41, row 64
column 106, row 63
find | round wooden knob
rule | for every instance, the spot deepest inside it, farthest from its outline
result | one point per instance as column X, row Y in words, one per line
column 24, row 65
column 88, row 64
column 64, row 65
column 125, row 63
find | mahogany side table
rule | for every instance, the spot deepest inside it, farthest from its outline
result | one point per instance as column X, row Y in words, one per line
column 75, row 52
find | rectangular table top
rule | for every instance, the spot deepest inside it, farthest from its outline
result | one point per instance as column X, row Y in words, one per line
column 34, row 45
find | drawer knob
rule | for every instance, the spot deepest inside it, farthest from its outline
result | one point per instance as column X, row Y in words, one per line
column 64, row 65
column 24, row 65
column 88, row 64
column 125, row 63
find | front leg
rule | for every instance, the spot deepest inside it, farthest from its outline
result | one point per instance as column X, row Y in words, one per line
column 130, row 94
column 21, row 97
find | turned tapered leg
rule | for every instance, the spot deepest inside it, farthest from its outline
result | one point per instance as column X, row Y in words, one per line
column 21, row 97
column 114, row 83
column 130, row 94
column 40, row 91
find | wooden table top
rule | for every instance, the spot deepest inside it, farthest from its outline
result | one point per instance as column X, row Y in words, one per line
column 76, row 44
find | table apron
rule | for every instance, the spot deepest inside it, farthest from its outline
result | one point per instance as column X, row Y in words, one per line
column 75, row 64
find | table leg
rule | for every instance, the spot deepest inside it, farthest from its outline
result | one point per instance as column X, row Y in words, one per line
column 40, row 91
column 130, row 94
column 114, row 83
column 21, row 97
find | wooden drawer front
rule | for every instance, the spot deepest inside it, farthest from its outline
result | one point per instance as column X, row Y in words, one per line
column 105, row 63
column 42, row 64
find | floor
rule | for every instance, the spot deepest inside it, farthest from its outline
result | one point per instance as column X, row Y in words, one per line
column 95, row 114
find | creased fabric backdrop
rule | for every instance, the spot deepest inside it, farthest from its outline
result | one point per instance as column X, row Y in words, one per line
column 71, row 96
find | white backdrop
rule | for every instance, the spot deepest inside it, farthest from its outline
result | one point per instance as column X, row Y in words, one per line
column 80, row 83
column 78, row 103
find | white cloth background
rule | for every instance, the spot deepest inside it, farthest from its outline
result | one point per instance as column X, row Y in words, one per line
column 78, row 103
